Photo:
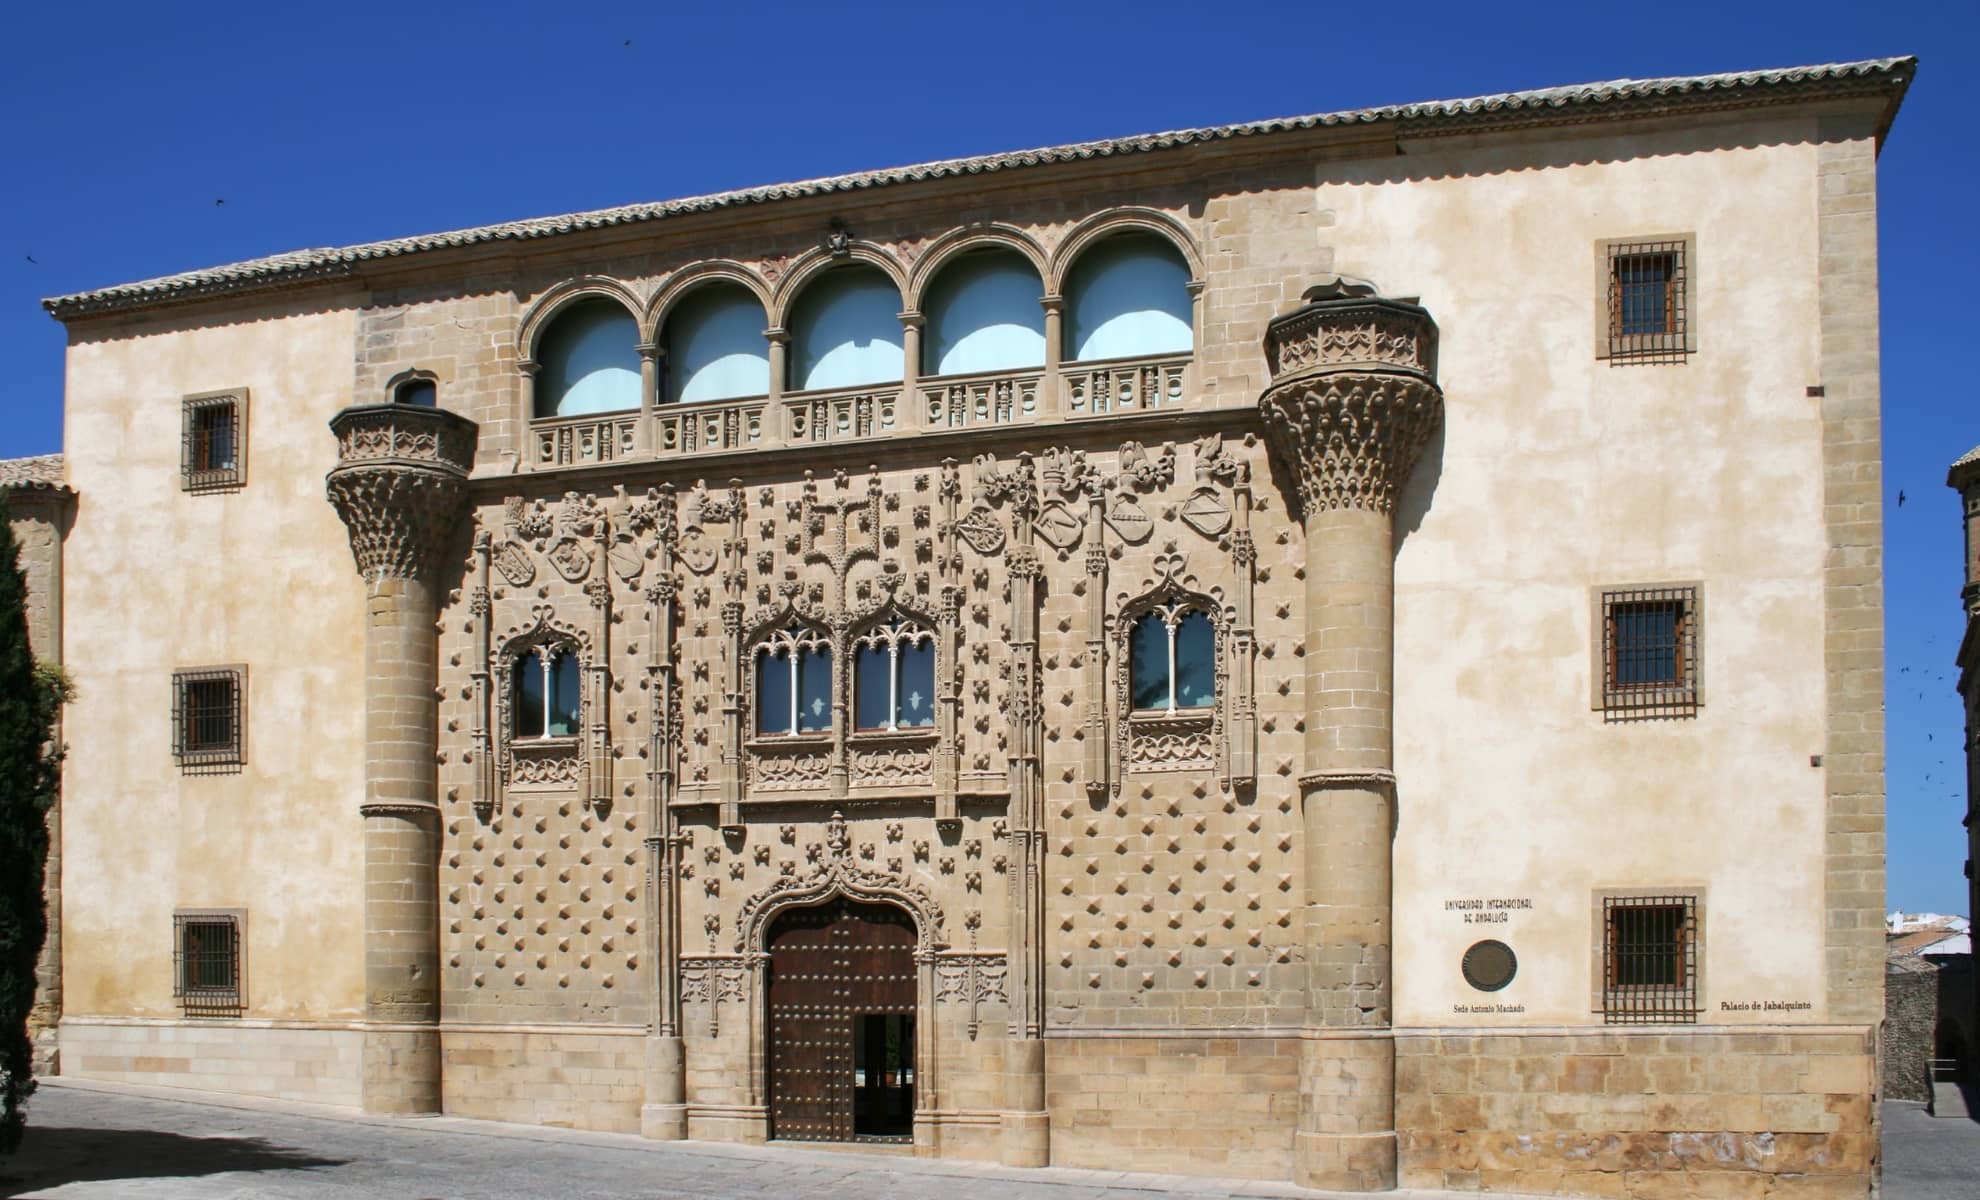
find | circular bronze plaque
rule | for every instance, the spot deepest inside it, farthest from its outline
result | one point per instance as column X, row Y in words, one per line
column 1489, row 966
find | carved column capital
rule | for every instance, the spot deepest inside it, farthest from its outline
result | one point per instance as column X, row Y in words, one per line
column 400, row 484
column 1353, row 398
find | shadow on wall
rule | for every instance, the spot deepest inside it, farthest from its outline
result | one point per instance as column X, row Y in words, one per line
column 51, row 1156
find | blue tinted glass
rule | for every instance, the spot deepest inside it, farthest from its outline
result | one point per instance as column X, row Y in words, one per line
column 870, row 668
column 1196, row 661
column 1647, row 649
column 1645, row 283
column 563, row 695
column 420, row 392
column 773, row 693
column 918, row 685
column 814, row 690
column 529, row 697
column 1148, row 663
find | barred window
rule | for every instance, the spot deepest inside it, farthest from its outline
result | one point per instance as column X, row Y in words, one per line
column 207, row 708
column 214, row 441
column 1649, row 959
column 1649, row 661
column 1649, row 302
column 207, row 963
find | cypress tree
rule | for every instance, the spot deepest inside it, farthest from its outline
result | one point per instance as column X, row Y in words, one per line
column 29, row 698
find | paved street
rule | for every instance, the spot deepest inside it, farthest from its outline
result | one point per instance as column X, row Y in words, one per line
column 96, row 1141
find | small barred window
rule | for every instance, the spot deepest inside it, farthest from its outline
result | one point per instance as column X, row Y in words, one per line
column 1650, row 652
column 1649, row 302
column 207, row 963
column 207, row 711
column 213, row 442
column 1649, row 959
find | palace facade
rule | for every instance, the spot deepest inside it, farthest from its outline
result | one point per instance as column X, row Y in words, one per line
column 1034, row 657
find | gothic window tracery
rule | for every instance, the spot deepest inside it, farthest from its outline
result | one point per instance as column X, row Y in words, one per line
column 793, row 682
column 894, row 676
column 547, row 690
column 1172, row 659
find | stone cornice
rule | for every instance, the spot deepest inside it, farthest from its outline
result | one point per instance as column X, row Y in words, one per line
column 1884, row 79
column 400, row 484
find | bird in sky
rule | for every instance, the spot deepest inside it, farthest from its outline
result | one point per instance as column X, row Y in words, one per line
column 217, row 203
column 1900, row 497
column 30, row 258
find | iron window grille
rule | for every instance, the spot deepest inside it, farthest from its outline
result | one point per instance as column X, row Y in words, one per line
column 1649, row 959
column 213, row 449
column 1650, row 652
column 206, row 963
column 208, row 729
column 1649, row 302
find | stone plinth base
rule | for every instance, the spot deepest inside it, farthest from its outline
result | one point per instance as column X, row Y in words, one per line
column 401, row 1072
column 1364, row 1162
column 1639, row 1114
column 1024, row 1139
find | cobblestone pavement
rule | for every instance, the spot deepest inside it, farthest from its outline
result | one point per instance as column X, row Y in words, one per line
column 99, row 1140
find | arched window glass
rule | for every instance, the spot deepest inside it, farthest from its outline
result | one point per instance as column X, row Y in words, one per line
column 545, row 694
column 894, row 676
column 715, row 346
column 793, row 682
column 846, row 331
column 1172, row 659
column 422, row 392
column 1128, row 297
column 983, row 315
column 589, row 361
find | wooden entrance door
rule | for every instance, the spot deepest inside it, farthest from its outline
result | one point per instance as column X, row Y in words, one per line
column 841, row 1026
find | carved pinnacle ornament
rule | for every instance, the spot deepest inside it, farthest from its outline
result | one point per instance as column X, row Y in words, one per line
column 1353, row 397
column 399, row 484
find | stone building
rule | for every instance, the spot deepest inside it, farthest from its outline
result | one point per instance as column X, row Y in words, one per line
column 40, row 506
column 1029, row 656
column 1964, row 477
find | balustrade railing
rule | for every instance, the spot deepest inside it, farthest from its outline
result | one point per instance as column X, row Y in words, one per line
column 577, row 441
column 1120, row 385
column 708, row 427
column 842, row 415
column 1116, row 386
column 962, row 401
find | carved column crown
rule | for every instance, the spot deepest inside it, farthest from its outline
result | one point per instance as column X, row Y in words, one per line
column 1354, row 395
column 399, row 484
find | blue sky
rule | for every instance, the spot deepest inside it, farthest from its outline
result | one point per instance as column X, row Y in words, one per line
column 322, row 125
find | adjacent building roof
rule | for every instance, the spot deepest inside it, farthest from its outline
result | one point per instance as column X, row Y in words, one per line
column 1616, row 99
column 41, row 473
column 1963, row 468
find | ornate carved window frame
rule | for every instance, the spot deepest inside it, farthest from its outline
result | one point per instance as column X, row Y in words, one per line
column 759, row 646
column 540, row 763
column 1181, row 739
column 873, row 633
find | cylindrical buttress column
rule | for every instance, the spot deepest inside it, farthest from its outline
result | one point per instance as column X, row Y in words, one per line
column 1352, row 403
column 399, row 486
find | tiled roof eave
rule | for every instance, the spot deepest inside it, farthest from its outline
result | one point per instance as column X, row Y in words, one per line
column 1885, row 78
column 43, row 473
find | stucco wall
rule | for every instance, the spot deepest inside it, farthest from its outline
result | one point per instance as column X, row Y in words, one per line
column 158, row 579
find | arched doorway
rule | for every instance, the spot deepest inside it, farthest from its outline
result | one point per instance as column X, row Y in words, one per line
column 841, row 1023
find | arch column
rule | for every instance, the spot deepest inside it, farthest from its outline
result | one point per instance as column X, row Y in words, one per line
column 1352, row 402
column 400, row 487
